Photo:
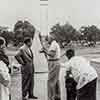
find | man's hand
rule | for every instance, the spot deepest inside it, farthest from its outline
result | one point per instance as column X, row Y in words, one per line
column 4, row 81
column 41, row 51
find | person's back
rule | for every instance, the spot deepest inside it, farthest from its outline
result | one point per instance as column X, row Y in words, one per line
column 82, row 71
column 84, row 75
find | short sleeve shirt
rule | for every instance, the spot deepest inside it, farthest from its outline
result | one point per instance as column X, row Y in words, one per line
column 56, row 48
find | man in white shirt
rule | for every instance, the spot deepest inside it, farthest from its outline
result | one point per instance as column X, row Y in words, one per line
column 84, row 75
column 53, row 57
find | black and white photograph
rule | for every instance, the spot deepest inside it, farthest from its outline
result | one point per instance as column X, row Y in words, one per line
column 49, row 49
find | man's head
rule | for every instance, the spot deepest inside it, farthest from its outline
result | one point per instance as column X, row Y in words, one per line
column 50, row 38
column 70, row 53
column 28, row 41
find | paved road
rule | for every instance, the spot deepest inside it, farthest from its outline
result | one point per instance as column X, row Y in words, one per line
column 40, row 89
column 41, row 78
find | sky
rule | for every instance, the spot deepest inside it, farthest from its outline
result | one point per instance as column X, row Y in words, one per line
column 75, row 12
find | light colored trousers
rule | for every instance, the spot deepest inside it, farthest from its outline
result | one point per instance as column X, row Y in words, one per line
column 53, row 80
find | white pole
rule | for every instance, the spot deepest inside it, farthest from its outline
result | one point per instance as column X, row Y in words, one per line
column 44, row 17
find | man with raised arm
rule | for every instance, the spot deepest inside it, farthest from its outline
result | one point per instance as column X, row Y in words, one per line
column 53, row 57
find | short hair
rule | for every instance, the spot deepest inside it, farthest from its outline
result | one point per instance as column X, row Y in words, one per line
column 26, row 40
column 70, row 53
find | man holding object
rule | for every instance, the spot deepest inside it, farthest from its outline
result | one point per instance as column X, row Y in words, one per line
column 53, row 57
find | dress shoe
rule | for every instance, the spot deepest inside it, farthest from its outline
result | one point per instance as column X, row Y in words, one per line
column 24, row 99
column 33, row 97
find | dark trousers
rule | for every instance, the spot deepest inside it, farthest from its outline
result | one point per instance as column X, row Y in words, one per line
column 27, row 84
column 71, row 91
column 88, row 92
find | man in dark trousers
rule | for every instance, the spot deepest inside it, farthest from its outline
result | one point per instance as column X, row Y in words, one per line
column 84, row 75
column 25, row 58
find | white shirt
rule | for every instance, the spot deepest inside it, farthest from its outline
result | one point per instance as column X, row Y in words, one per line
column 81, row 69
column 55, row 47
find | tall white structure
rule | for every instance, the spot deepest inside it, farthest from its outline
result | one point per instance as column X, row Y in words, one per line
column 40, row 61
column 44, row 16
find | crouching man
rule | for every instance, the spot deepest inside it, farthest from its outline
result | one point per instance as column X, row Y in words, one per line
column 84, row 75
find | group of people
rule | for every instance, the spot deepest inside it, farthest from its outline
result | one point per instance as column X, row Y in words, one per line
column 25, row 59
column 80, row 77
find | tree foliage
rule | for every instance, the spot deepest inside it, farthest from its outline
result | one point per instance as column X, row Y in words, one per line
column 64, row 33
column 90, row 33
column 8, row 35
column 22, row 30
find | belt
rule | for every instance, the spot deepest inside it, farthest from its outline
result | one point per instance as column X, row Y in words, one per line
column 53, row 59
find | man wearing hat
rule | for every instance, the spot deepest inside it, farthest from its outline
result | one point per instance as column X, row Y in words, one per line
column 25, row 58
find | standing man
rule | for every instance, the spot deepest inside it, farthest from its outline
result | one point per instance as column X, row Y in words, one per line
column 53, row 57
column 25, row 58
column 84, row 75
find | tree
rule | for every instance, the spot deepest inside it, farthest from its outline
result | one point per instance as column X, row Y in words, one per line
column 64, row 33
column 8, row 35
column 70, row 32
column 22, row 30
column 90, row 33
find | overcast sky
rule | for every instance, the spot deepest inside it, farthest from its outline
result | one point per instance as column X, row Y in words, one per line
column 76, row 12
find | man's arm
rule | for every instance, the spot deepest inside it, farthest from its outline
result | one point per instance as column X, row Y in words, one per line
column 5, row 59
column 50, row 53
column 41, row 41
column 4, row 81
column 18, row 58
column 66, row 65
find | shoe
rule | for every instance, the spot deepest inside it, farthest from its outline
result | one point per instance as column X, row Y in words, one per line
column 57, row 98
column 33, row 97
column 24, row 99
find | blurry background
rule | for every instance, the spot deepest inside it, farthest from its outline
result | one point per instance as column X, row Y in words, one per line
column 76, row 12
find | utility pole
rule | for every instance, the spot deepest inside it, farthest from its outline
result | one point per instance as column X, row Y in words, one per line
column 44, row 17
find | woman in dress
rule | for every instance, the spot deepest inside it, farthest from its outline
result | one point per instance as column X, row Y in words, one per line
column 4, row 72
